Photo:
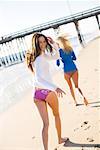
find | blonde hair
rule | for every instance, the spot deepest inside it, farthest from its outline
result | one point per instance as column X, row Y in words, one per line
column 65, row 43
column 29, row 59
column 30, row 54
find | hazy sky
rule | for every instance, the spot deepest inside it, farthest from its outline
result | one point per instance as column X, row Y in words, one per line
column 18, row 15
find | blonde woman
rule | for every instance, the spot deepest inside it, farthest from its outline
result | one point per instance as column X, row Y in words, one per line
column 45, row 90
column 70, row 70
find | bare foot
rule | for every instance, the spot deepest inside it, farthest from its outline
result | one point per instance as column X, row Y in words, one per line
column 85, row 101
column 62, row 140
column 75, row 103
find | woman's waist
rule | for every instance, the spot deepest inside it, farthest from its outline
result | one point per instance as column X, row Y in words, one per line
column 42, row 89
column 38, row 88
column 70, row 70
column 71, row 65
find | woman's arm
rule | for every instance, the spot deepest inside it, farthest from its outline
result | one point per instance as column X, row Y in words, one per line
column 73, row 55
column 55, row 54
column 58, row 62
column 62, row 53
column 47, row 84
column 51, row 86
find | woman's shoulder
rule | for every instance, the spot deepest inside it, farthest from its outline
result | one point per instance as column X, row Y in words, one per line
column 65, row 52
column 61, row 51
column 37, row 60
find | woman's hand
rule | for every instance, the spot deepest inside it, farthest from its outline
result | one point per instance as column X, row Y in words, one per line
column 54, row 44
column 60, row 92
column 50, row 40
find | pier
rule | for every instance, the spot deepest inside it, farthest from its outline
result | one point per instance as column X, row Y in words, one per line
column 15, row 44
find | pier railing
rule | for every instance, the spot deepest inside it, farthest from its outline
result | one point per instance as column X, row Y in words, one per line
column 52, row 24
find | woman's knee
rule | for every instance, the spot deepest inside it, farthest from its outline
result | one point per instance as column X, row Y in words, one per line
column 46, row 124
column 55, row 113
column 76, row 86
column 71, row 87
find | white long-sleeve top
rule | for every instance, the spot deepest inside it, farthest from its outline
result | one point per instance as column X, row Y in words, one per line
column 42, row 76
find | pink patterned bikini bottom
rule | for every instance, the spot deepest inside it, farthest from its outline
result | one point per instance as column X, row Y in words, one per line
column 41, row 94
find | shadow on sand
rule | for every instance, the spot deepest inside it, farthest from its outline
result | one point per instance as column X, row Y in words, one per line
column 72, row 144
column 96, row 104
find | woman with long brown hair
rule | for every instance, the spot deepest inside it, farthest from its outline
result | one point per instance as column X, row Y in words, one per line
column 70, row 70
column 43, row 50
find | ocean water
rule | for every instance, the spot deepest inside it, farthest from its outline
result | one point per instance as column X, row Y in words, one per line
column 14, row 82
column 17, row 79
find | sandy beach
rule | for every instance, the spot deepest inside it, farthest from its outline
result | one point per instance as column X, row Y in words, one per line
column 21, row 125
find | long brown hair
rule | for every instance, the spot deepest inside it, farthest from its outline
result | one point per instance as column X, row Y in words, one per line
column 29, row 60
column 65, row 43
column 35, row 49
column 35, row 45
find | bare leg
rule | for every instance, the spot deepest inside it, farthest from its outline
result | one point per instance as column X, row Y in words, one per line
column 52, row 100
column 42, row 107
column 68, row 79
column 75, row 80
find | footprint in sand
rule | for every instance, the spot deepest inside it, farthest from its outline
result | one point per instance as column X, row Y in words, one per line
column 90, row 140
column 84, row 123
column 95, row 69
column 87, row 127
column 33, row 137
column 76, row 129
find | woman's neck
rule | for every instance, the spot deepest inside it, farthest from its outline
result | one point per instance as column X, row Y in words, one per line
column 43, row 51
